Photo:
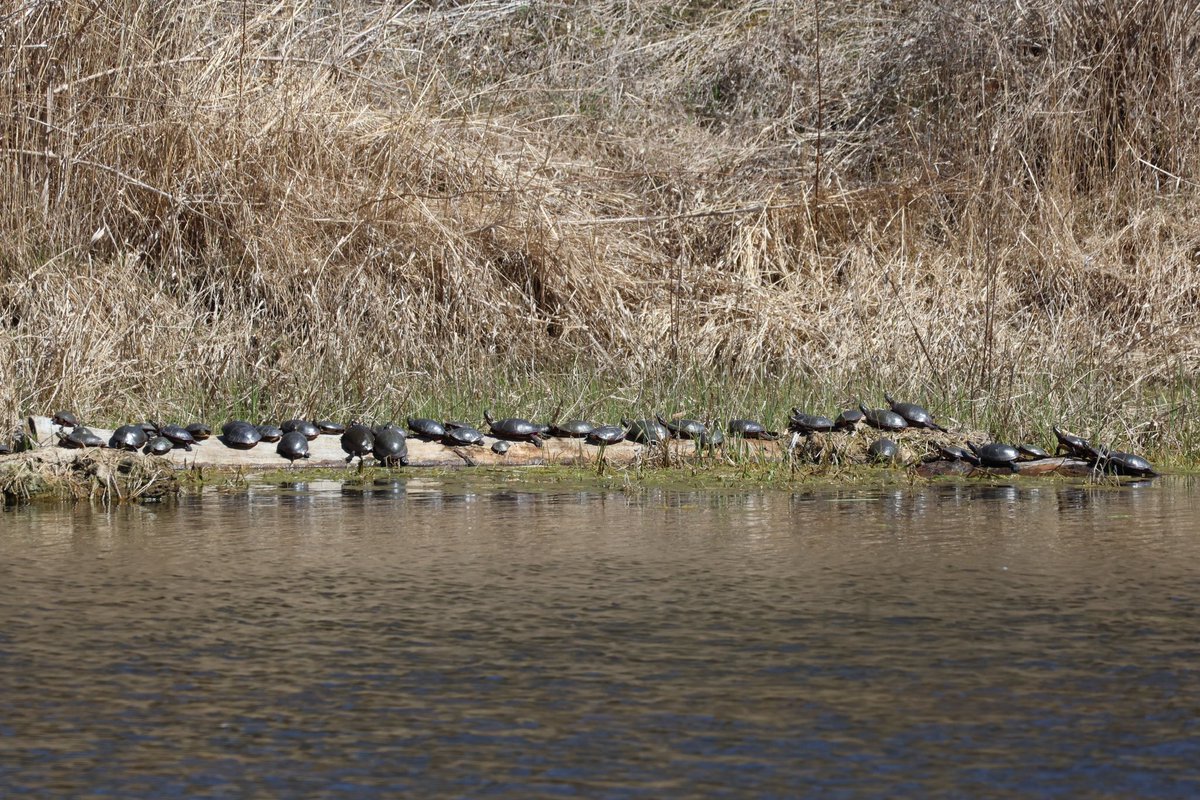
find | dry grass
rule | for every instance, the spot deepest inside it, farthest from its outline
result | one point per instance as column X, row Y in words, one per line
column 361, row 207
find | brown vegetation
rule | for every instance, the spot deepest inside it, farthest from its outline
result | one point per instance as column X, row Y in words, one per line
column 216, row 206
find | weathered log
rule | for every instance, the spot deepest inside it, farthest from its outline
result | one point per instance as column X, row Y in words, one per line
column 1067, row 467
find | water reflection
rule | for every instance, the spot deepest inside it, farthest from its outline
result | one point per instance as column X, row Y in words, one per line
column 425, row 638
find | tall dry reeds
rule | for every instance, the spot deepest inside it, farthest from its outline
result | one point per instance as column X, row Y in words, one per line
column 345, row 206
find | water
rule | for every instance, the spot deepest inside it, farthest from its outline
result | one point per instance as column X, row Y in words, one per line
column 430, row 640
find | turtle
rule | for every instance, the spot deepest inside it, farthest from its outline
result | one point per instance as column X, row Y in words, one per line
column 604, row 435
column 5, row 449
column 683, row 428
column 358, row 440
column 149, row 428
column 802, row 422
column 572, row 429
column 309, row 430
column 645, row 431
column 1129, row 464
column 233, row 423
column 128, row 437
column 1071, row 444
column 65, row 419
column 244, row 436
column 883, row 419
column 1031, row 452
column 500, row 447
column 913, row 414
column 178, row 436
column 883, row 450
column 996, row 455
column 848, row 419
column 952, row 452
column 391, row 447
column 293, row 446
column 458, row 435
column 543, row 429
column 79, row 437
column 273, row 433
column 199, row 431
column 426, row 428
column 749, row 429
column 330, row 427
column 514, row 429
column 159, row 446
column 713, row 437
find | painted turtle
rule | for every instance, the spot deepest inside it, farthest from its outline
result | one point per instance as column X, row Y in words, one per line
column 159, row 446
column 199, row 431
column 309, row 430
column 645, row 431
column 244, row 436
column 391, row 447
column 952, row 452
column 682, row 428
column 571, row 429
column 330, row 427
column 848, row 419
column 293, row 446
column 713, row 437
column 500, row 447
column 1071, row 444
column 749, row 429
column 883, row 419
column 426, row 428
column 65, row 419
column 461, row 435
column 128, row 437
column 178, row 436
column 273, row 433
column 79, row 437
column 1120, row 463
column 883, row 450
column 913, row 414
column 149, row 428
column 514, row 429
column 802, row 422
column 358, row 440
column 604, row 435
column 996, row 455
column 1031, row 452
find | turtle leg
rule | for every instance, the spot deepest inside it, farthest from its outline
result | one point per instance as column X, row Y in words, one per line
column 536, row 440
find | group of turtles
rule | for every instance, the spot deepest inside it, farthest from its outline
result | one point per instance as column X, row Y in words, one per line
column 387, row 443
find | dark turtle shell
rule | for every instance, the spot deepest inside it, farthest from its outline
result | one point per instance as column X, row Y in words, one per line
column 65, row 419
column 952, row 452
column 883, row 419
column 1031, row 452
column 273, row 433
column 750, row 429
column 358, row 440
column 391, row 447
column 645, row 431
column 500, row 447
column 801, row 422
column 243, row 436
column 572, row 429
column 293, row 446
column 329, row 426
column 914, row 415
column 199, row 431
column 232, row 424
column 683, row 428
column 604, row 435
column 159, row 446
column 128, row 437
column 996, row 455
column 462, row 436
column 514, row 429
column 79, row 437
column 426, row 428
column 1071, row 444
column 309, row 430
column 1129, row 464
column 178, row 436
column 848, row 419
column 883, row 450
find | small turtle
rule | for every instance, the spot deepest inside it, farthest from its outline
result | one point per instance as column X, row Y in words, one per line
column 273, row 433
column 883, row 419
column 1071, row 444
column 514, row 429
column 309, row 430
column 462, row 436
column 683, row 428
column 913, row 414
column 244, row 436
column 996, row 455
column 645, row 431
column 293, row 446
column 749, row 429
column 79, row 437
column 425, row 428
column 500, row 447
column 391, row 447
column 1031, row 452
column 848, row 419
column 159, row 446
column 178, row 436
column 883, row 450
column 952, row 452
column 604, row 435
column 65, row 419
column 571, row 429
column 330, row 427
column 128, row 437
column 358, row 440
column 802, row 422
column 149, row 428
column 199, row 431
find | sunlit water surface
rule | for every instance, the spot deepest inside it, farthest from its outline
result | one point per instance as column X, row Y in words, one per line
column 433, row 640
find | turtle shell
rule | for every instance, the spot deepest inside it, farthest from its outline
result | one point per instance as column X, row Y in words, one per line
column 65, row 419
column 801, row 422
column 514, row 429
column 883, row 419
column 500, row 447
column 683, row 428
column 178, row 436
column 309, row 430
column 572, row 429
column 426, row 428
column 461, row 436
column 390, row 447
column 330, row 427
column 645, row 431
column 358, row 440
column 605, row 435
column 883, row 450
column 750, row 429
column 848, row 419
column 996, row 455
column 1031, row 452
column 293, row 446
column 244, row 436
column 199, row 431
column 1129, row 464
column 952, row 452
column 159, row 446
column 80, row 437
column 128, row 437
column 273, row 433
column 914, row 415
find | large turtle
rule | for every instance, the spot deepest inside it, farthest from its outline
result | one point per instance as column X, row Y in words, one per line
column 571, row 429
column 805, row 423
column 391, row 447
column 425, row 428
column 645, row 431
column 883, row 419
column 79, row 437
column 750, row 429
column 293, row 446
column 604, row 435
column 128, row 437
column 244, row 436
column 996, row 455
column 357, row 440
column 1120, row 463
column 514, row 429
column 682, row 428
column 914, row 415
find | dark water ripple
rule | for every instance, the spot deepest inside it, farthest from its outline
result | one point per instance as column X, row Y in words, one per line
column 433, row 640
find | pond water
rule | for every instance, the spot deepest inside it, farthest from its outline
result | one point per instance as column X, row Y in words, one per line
column 431, row 639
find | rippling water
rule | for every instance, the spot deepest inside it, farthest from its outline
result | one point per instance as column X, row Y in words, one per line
column 434, row 640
